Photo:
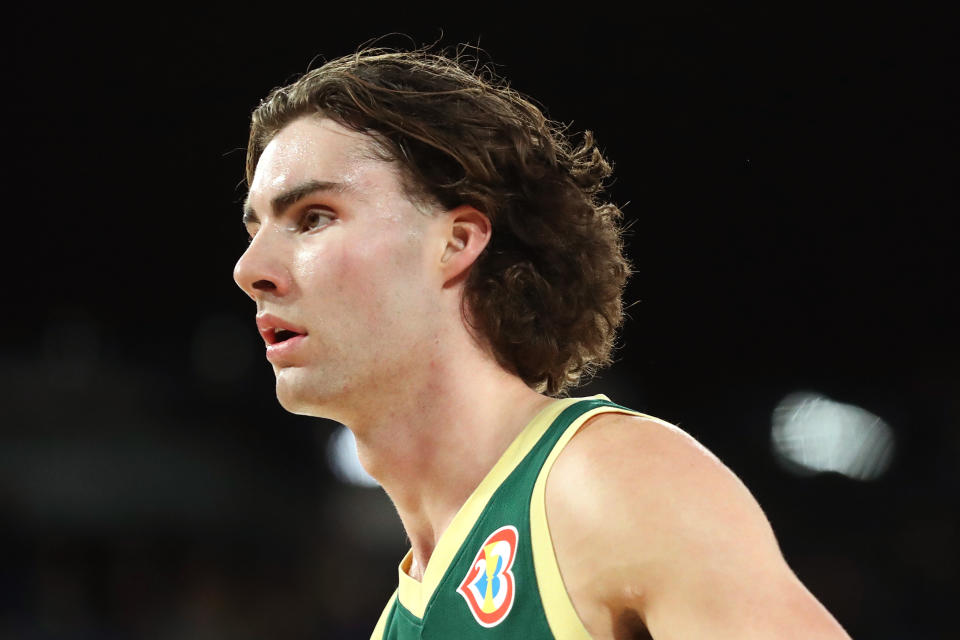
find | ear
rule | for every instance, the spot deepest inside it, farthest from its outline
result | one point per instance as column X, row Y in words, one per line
column 467, row 233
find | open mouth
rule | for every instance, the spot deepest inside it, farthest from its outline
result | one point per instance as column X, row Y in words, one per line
column 282, row 335
column 276, row 331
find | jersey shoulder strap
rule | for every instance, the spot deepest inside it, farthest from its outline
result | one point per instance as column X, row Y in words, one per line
column 561, row 615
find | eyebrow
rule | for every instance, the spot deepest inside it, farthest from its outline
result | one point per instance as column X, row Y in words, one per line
column 283, row 201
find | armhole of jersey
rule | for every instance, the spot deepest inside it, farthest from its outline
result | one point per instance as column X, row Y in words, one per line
column 562, row 618
column 381, row 627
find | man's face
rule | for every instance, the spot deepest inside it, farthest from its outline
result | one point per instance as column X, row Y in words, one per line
column 340, row 266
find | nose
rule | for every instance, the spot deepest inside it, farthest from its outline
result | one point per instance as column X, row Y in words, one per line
column 260, row 270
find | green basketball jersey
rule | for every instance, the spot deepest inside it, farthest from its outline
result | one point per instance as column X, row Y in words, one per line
column 493, row 573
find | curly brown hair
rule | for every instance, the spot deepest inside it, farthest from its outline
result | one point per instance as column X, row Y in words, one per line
column 545, row 294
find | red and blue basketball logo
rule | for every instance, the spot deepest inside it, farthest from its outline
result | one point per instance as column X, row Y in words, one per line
column 489, row 586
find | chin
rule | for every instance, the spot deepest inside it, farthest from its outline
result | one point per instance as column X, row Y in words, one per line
column 292, row 405
column 296, row 395
column 290, row 391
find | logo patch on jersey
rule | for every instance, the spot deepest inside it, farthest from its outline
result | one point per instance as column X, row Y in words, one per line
column 489, row 585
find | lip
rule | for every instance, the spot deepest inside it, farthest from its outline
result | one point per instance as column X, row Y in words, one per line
column 281, row 352
column 267, row 324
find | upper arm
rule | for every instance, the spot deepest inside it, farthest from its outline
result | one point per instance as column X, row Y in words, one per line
column 644, row 518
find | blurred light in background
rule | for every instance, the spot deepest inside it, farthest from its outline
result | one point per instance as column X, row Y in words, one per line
column 342, row 456
column 813, row 434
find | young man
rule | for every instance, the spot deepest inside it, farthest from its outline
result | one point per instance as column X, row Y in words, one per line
column 432, row 267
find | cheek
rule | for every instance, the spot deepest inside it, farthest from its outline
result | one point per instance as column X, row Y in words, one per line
column 352, row 279
column 386, row 280
column 375, row 285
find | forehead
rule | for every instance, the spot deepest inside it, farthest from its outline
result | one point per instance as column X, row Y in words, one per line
column 315, row 148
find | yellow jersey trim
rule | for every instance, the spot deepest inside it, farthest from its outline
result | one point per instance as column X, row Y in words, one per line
column 381, row 627
column 414, row 595
column 562, row 618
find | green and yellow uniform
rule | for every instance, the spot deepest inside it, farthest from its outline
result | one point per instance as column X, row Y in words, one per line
column 493, row 572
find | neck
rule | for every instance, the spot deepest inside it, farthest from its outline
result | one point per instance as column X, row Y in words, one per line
column 431, row 446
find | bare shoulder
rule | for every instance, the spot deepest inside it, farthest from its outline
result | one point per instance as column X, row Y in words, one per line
column 631, row 472
column 649, row 524
column 621, row 441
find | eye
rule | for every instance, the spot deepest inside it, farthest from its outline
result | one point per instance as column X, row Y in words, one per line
column 314, row 219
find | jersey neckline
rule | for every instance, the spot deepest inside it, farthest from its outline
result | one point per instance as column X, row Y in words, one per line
column 415, row 595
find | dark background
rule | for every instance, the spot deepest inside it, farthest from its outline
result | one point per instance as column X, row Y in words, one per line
column 790, row 183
